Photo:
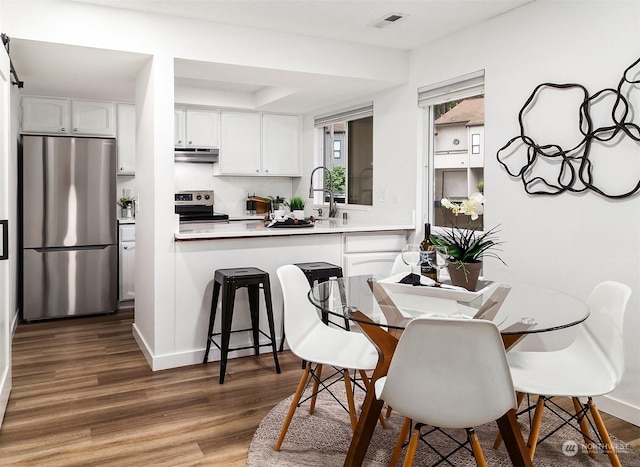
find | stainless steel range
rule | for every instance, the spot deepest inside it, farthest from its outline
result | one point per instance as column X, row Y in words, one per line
column 197, row 207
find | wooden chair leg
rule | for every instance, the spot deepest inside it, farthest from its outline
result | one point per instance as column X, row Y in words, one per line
column 413, row 447
column 369, row 387
column 351, row 404
column 535, row 427
column 312, row 407
column 293, row 406
column 604, row 434
column 584, row 427
column 476, row 448
column 519, row 398
column 389, row 410
column 397, row 449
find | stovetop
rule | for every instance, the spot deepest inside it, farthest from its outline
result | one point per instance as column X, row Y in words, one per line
column 204, row 217
column 197, row 206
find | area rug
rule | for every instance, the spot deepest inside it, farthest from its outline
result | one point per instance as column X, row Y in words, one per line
column 322, row 439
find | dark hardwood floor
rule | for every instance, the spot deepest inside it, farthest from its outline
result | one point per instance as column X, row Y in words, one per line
column 83, row 394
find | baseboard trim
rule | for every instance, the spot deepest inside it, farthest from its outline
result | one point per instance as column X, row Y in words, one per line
column 620, row 409
column 191, row 357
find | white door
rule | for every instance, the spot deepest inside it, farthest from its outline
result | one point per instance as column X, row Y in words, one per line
column 5, row 285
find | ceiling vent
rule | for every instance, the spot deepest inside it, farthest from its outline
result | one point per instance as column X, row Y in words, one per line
column 387, row 20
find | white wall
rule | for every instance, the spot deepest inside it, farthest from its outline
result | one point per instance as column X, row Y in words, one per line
column 570, row 241
column 165, row 39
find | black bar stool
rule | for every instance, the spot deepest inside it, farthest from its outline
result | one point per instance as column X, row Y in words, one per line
column 231, row 280
column 319, row 271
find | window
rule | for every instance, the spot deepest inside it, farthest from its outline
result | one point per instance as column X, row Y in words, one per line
column 337, row 151
column 347, row 152
column 454, row 119
column 475, row 143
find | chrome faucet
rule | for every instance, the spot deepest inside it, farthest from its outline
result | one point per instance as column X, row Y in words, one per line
column 333, row 208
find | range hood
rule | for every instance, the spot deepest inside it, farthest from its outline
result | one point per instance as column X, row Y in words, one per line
column 196, row 155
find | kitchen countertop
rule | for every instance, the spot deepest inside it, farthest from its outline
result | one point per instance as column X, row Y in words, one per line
column 239, row 229
column 126, row 220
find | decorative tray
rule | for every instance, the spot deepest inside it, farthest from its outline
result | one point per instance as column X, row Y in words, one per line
column 458, row 294
column 289, row 224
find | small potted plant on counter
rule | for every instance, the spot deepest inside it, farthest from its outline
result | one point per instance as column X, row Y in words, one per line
column 296, row 204
column 126, row 206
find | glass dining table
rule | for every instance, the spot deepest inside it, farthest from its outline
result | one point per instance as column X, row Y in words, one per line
column 381, row 308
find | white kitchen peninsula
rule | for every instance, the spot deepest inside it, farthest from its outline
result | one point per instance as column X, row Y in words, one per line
column 257, row 229
column 198, row 253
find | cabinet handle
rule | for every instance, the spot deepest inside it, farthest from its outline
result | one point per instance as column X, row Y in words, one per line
column 257, row 170
column 125, row 247
column 75, row 129
column 64, row 129
column 179, row 141
column 190, row 142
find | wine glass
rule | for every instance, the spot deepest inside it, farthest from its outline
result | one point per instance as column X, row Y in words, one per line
column 411, row 256
column 438, row 260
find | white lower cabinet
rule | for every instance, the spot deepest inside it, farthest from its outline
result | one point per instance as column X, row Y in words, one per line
column 127, row 263
column 371, row 253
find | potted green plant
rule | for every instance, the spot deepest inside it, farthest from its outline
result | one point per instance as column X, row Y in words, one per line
column 126, row 206
column 465, row 248
column 296, row 204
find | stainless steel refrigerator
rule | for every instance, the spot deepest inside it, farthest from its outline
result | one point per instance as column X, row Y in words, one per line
column 69, row 227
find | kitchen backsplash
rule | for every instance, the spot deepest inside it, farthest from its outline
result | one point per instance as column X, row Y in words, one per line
column 230, row 192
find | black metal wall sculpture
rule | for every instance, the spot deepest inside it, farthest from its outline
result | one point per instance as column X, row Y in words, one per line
column 574, row 168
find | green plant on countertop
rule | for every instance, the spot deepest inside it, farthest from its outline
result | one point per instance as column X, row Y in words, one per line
column 125, row 202
column 275, row 202
column 296, row 203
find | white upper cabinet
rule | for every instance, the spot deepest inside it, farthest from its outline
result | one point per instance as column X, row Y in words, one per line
column 93, row 118
column 240, row 143
column 196, row 128
column 46, row 115
column 281, row 144
column 254, row 143
column 203, row 128
column 71, row 117
column 178, row 127
column 126, row 125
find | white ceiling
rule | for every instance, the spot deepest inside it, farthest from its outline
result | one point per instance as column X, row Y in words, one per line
column 349, row 20
column 60, row 70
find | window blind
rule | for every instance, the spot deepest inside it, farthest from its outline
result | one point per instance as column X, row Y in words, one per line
column 471, row 84
column 351, row 113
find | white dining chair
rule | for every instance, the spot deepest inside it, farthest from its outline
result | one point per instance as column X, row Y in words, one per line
column 399, row 266
column 319, row 345
column 447, row 373
column 592, row 365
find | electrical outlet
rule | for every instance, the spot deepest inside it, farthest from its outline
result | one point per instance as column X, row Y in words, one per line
column 127, row 192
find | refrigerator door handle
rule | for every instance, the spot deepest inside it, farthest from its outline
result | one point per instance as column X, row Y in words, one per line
column 69, row 248
column 5, row 239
